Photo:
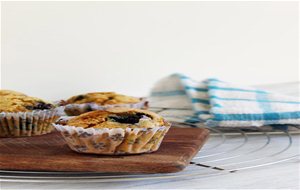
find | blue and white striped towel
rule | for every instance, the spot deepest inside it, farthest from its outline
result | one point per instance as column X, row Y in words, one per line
column 217, row 103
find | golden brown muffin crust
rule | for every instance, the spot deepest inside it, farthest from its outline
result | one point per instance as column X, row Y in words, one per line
column 11, row 92
column 117, row 118
column 22, row 103
column 102, row 98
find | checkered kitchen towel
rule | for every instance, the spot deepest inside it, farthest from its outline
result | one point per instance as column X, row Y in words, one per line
column 217, row 103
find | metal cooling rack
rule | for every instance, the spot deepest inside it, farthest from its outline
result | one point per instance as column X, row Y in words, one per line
column 226, row 152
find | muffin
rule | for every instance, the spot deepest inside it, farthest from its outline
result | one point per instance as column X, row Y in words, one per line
column 83, row 103
column 22, row 115
column 114, row 131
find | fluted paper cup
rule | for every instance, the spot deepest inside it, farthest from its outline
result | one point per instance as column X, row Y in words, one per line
column 22, row 124
column 114, row 141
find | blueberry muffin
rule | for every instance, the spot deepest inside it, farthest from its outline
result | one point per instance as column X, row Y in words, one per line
column 83, row 103
column 22, row 115
column 114, row 131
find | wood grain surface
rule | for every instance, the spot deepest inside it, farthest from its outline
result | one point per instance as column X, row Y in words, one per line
column 50, row 153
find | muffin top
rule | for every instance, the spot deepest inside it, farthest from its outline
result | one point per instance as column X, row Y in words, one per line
column 118, row 118
column 11, row 92
column 102, row 98
column 18, row 102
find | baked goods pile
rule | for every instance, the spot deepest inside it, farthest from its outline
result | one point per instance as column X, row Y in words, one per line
column 99, row 122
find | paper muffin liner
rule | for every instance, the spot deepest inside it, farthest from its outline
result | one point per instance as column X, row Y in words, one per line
column 113, row 141
column 77, row 109
column 60, row 110
column 22, row 124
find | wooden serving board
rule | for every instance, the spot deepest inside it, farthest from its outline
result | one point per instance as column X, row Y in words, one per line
column 51, row 153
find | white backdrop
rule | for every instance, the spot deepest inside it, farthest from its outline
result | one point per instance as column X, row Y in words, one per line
column 57, row 49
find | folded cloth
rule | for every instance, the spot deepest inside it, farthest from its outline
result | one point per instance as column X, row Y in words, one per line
column 221, row 104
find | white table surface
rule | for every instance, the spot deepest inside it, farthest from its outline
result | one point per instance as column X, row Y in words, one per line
column 285, row 175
